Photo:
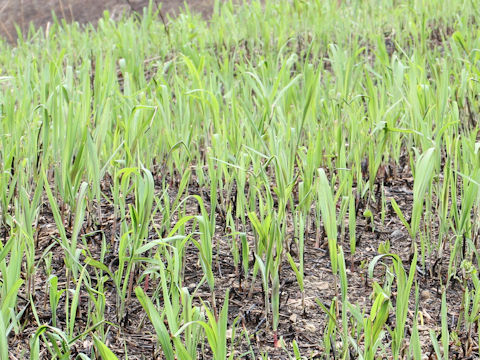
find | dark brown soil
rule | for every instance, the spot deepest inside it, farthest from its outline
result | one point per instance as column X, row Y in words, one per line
column 39, row 12
column 304, row 324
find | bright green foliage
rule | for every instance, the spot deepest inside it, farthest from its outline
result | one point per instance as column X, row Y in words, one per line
column 153, row 148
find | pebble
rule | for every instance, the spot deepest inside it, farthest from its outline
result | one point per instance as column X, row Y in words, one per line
column 397, row 234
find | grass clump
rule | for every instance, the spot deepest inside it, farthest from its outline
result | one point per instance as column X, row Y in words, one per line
column 260, row 184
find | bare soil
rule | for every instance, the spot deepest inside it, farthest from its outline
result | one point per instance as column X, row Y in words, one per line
column 39, row 12
column 303, row 323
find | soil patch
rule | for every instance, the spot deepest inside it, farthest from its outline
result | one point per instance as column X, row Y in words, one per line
column 301, row 318
column 24, row 12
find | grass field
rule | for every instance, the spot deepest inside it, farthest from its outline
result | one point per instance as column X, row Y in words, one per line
column 287, row 180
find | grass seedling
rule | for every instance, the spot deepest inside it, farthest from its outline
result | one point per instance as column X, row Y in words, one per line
column 404, row 285
column 327, row 207
column 157, row 157
column 445, row 334
column 299, row 270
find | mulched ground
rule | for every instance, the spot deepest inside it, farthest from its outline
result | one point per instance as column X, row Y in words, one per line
column 304, row 324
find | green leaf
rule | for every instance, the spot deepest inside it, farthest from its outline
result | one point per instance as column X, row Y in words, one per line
column 327, row 208
column 104, row 351
column 157, row 322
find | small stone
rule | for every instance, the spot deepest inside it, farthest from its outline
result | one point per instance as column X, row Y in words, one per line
column 397, row 234
column 425, row 294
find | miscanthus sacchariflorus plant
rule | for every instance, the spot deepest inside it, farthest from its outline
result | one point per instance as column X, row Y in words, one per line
column 183, row 179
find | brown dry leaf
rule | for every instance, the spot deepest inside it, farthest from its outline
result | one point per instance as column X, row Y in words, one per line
column 317, row 284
